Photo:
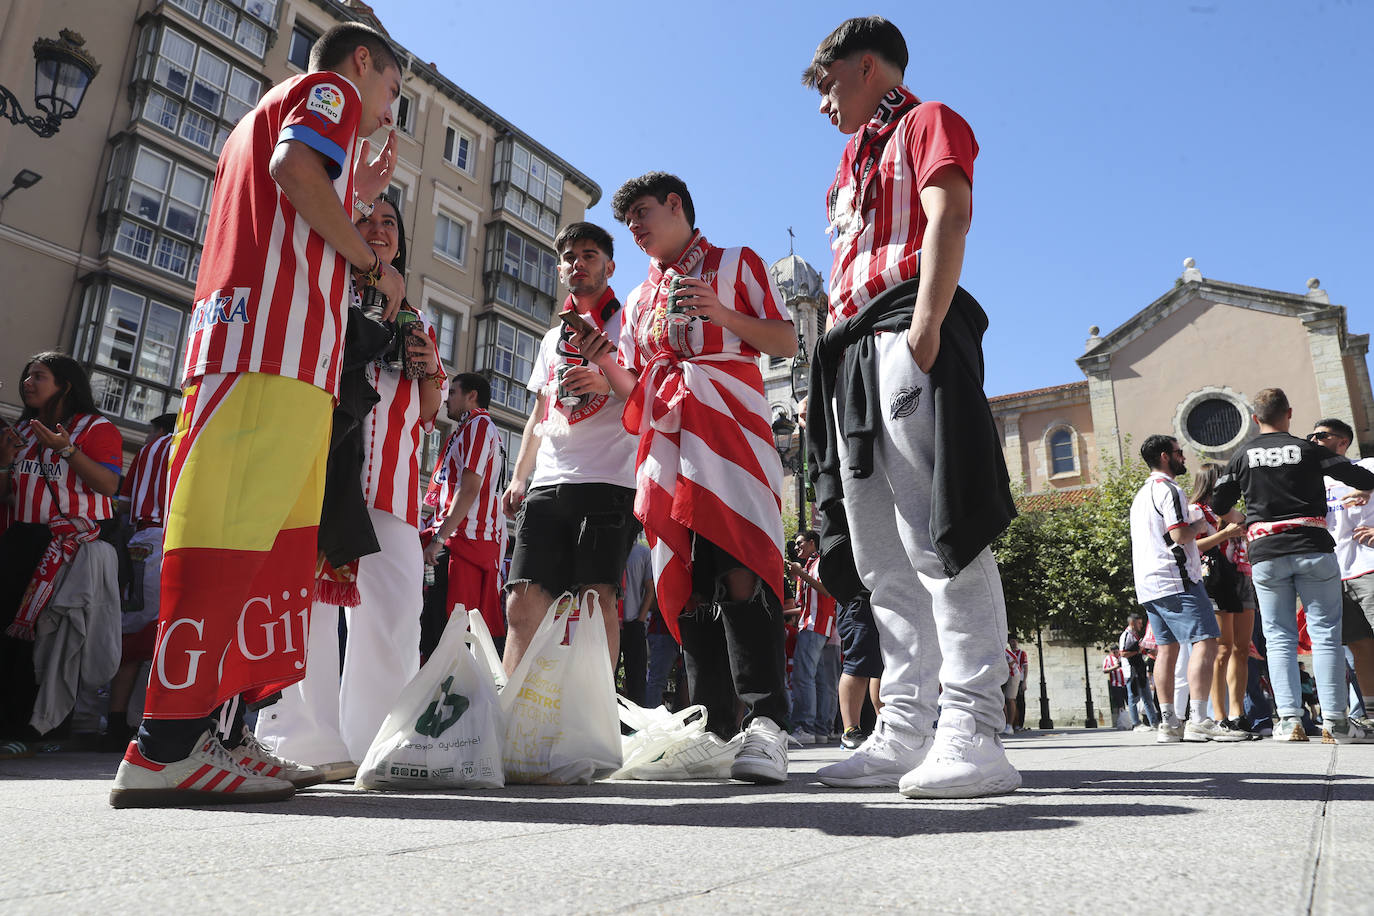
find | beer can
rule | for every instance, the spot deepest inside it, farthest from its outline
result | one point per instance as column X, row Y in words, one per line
column 401, row 362
column 565, row 397
column 675, row 294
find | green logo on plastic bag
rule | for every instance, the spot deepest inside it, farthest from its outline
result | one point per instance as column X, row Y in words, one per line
column 431, row 723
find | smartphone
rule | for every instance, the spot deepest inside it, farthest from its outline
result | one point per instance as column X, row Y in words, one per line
column 575, row 321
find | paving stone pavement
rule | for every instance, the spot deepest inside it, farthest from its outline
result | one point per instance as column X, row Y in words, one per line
column 1258, row 826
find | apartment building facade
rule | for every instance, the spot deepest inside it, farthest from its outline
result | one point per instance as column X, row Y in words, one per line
column 104, row 249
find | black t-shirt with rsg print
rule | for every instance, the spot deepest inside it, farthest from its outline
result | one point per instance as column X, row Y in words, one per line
column 1281, row 477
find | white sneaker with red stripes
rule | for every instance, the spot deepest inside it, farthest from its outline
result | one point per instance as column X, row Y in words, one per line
column 207, row 776
column 253, row 755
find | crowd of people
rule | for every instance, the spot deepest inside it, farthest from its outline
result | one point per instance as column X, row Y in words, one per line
column 288, row 486
column 1206, row 666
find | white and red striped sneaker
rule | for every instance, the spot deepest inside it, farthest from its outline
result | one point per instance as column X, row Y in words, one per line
column 207, row 776
column 253, row 755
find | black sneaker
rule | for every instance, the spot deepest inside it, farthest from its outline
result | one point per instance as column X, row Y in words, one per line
column 853, row 737
column 1242, row 725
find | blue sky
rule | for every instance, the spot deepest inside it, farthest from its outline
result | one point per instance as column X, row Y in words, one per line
column 1117, row 138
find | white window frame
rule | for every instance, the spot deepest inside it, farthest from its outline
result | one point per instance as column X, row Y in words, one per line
column 460, row 259
column 460, row 134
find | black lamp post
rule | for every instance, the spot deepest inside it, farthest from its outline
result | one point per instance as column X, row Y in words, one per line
column 26, row 178
column 62, row 71
column 1046, row 722
column 1091, row 721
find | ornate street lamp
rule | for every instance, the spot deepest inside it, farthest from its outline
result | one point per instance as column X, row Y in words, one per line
column 801, row 380
column 62, row 71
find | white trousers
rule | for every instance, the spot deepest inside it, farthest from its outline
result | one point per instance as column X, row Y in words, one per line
column 934, row 631
column 327, row 719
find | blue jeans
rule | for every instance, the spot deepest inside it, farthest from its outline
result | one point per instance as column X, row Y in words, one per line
column 1316, row 579
column 1138, row 692
column 663, row 652
column 828, row 689
column 805, row 659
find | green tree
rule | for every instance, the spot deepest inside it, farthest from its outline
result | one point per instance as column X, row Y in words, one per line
column 1068, row 567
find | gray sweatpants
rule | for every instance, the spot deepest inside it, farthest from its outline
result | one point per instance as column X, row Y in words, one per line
column 933, row 630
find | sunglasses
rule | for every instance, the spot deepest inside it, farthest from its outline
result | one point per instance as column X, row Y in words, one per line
column 1319, row 436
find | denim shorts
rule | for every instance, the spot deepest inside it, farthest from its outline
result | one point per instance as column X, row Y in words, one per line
column 1184, row 617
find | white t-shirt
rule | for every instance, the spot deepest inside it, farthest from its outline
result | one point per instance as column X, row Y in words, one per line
column 1162, row 568
column 1356, row 560
column 594, row 447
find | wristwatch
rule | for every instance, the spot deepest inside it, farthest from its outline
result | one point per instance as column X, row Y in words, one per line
column 66, row 453
column 363, row 208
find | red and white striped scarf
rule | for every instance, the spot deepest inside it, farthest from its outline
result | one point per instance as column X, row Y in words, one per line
column 706, row 464
column 67, row 537
column 558, row 418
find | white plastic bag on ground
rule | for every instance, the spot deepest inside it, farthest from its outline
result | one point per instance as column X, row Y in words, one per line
column 655, row 732
column 445, row 730
column 559, row 706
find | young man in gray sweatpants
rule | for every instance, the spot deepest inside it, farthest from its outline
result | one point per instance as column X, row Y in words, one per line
column 924, row 484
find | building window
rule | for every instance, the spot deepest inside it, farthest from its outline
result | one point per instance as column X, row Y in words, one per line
column 405, row 113
column 252, row 37
column 133, row 346
column 522, row 273
column 185, row 73
column 396, row 193
column 450, row 237
column 264, row 10
column 528, row 187
column 298, row 52
column 220, row 17
column 164, row 199
column 458, row 149
column 1214, row 422
column 191, row 6
column 1062, row 459
column 506, row 354
column 445, row 325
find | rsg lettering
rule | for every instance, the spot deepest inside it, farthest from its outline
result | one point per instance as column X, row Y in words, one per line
column 1273, row 457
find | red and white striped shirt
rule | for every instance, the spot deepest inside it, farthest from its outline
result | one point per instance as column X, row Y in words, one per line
column 874, row 207
column 1116, row 671
column 818, row 611
column 706, row 462
column 271, row 295
column 145, row 486
column 98, row 439
column 391, row 435
column 475, row 446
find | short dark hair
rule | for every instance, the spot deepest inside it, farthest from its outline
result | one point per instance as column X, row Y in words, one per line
column 812, row 535
column 1155, row 447
column 864, row 33
column 1270, row 405
column 591, row 232
column 164, row 423
column 657, row 184
column 472, row 381
column 75, row 397
column 337, row 45
column 1339, row 427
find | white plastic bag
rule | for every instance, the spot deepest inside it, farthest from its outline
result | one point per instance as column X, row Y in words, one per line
column 445, row 730
column 559, row 706
column 484, row 647
column 655, row 732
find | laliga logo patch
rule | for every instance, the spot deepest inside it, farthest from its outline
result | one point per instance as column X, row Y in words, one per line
column 327, row 101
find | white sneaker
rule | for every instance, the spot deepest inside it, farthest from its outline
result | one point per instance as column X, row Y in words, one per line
column 762, row 756
column 1169, row 734
column 962, row 763
column 1345, row 731
column 801, row 737
column 879, row 763
column 704, row 756
column 206, row 776
column 253, row 755
column 1142, row 727
column 1209, row 730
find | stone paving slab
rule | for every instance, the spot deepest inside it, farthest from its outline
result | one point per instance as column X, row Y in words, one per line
column 1300, row 818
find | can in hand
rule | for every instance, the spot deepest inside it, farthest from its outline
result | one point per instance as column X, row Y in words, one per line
column 565, row 397
column 404, row 320
column 675, row 295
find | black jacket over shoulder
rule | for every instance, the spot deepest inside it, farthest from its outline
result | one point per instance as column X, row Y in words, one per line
column 971, row 500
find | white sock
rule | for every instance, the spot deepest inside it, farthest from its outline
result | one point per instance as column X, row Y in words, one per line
column 1166, row 712
column 1199, row 713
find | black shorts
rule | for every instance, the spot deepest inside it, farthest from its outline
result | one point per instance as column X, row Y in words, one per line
column 863, row 656
column 571, row 535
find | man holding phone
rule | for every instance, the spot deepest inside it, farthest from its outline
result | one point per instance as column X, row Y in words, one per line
column 574, row 528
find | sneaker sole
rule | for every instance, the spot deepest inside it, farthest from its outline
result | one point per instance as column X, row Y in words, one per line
column 190, row 798
column 315, row 779
column 997, row 785
column 1169, row 739
column 872, row 781
column 763, row 775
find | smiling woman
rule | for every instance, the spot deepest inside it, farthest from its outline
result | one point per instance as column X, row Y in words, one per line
column 60, row 465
